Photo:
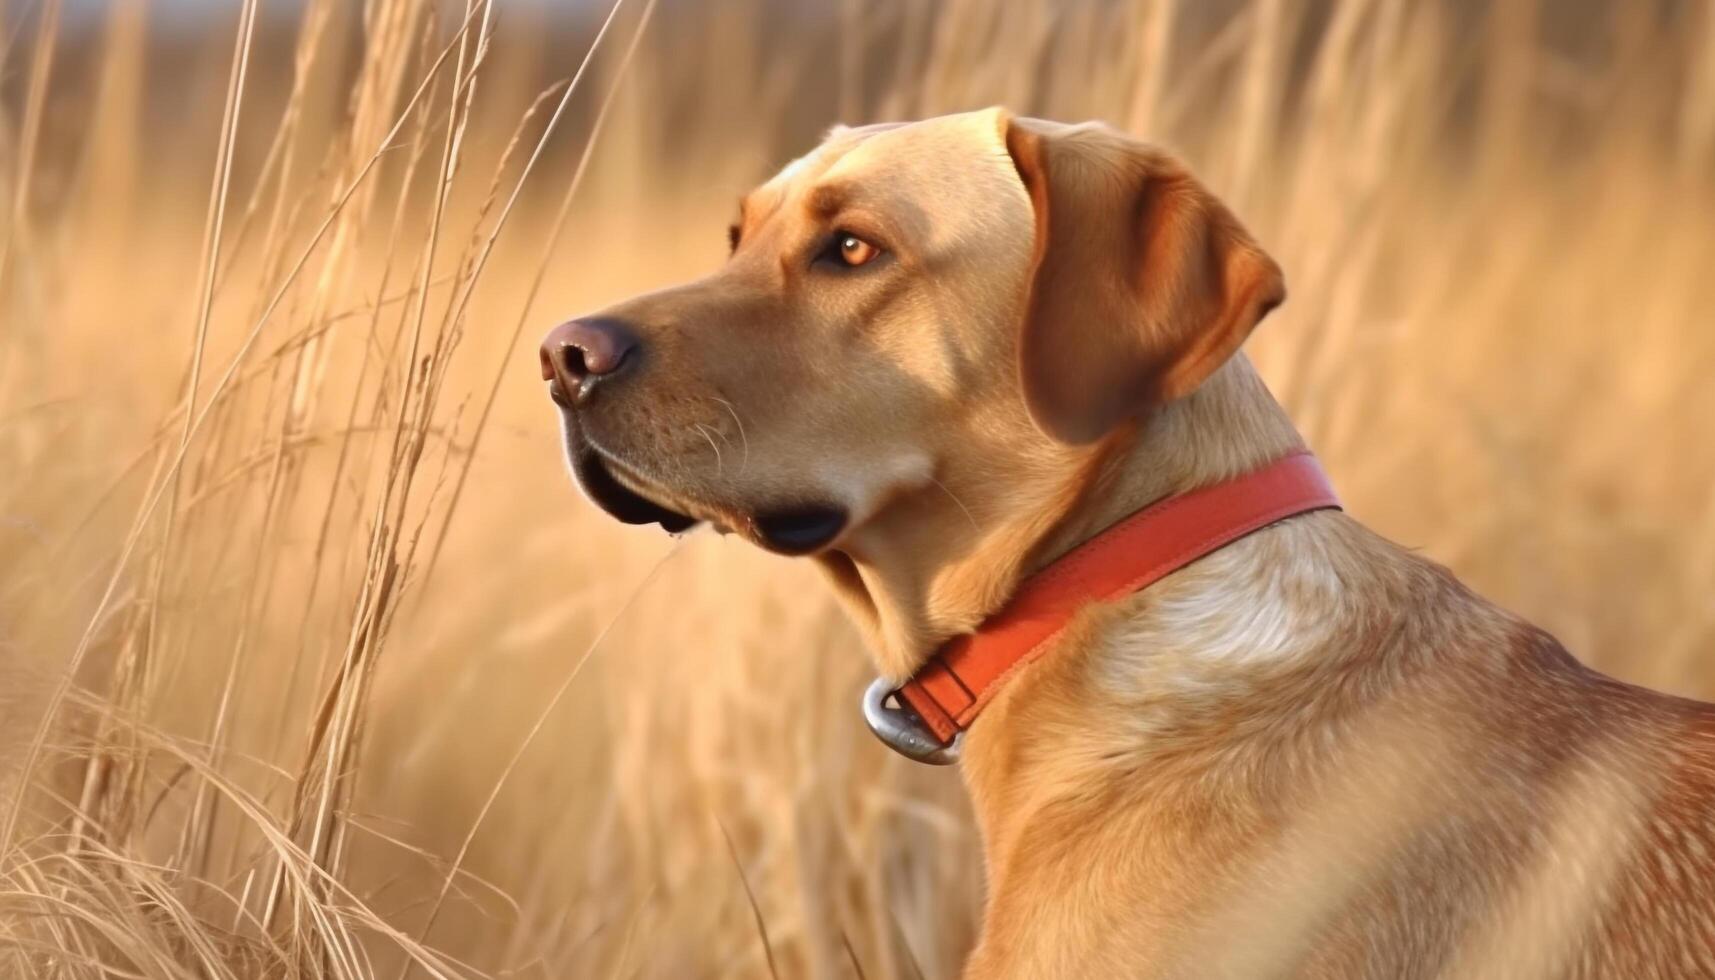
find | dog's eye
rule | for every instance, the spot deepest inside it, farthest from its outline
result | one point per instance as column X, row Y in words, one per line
column 849, row 251
column 854, row 251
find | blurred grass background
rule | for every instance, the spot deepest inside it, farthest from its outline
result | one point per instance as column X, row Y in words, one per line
column 313, row 663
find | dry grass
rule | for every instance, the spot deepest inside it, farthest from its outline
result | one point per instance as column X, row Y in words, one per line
column 313, row 663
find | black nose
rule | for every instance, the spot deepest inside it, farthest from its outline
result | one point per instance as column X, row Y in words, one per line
column 579, row 351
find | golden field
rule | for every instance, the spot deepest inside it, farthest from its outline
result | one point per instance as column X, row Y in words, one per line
column 312, row 661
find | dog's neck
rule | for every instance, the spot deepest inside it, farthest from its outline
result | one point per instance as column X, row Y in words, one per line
column 943, row 559
column 1230, row 426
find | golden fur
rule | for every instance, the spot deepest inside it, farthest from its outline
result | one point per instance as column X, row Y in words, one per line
column 1313, row 753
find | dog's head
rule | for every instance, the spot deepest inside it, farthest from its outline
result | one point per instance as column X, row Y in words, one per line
column 930, row 310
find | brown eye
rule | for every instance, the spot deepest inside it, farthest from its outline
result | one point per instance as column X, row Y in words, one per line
column 853, row 251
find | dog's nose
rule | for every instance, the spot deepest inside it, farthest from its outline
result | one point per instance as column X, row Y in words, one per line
column 576, row 352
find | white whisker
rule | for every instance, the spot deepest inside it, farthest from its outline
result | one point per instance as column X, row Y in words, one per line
column 745, row 438
column 961, row 504
column 720, row 463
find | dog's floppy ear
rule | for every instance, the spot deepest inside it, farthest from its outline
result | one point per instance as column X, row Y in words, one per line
column 1142, row 283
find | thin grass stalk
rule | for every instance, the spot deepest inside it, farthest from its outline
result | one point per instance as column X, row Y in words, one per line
column 378, row 590
column 529, row 739
column 346, row 696
column 35, row 99
column 213, row 229
column 153, row 498
column 95, row 777
column 419, row 148
column 554, row 237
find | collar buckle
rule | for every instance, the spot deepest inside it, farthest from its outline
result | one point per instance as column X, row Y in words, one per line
column 901, row 730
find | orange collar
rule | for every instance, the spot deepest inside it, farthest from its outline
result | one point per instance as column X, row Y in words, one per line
column 966, row 673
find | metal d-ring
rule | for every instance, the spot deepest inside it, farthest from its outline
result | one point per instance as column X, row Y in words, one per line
column 902, row 731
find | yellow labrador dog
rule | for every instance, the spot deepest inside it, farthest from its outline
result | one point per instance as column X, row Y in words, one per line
column 949, row 354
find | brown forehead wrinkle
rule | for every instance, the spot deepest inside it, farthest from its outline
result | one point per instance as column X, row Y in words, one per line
column 808, row 170
column 761, row 204
column 828, row 200
column 900, row 217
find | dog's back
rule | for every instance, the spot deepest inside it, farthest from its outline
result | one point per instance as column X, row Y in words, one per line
column 1559, row 826
column 1424, row 786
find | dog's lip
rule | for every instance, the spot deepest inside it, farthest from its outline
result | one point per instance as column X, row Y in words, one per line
column 802, row 529
column 631, row 497
column 797, row 530
column 620, row 492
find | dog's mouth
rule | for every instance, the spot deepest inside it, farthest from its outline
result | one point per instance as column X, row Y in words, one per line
column 623, row 504
column 630, row 498
column 800, row 530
